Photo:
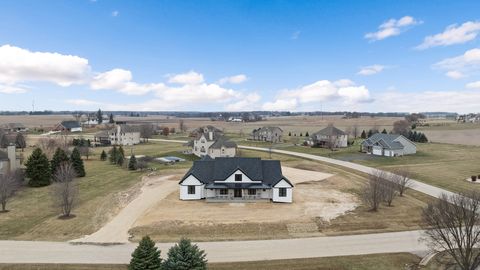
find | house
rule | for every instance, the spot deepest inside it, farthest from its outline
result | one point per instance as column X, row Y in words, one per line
column 213, row 145
column 70, row 126
column 206, row 129
column 329, row 137
column 390, row 145
column 14, row 127
column 8, row 160
column 236, row 179
column 268, row 134
column 119, row 135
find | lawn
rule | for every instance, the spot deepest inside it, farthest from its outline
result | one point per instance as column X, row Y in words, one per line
column 394, row 261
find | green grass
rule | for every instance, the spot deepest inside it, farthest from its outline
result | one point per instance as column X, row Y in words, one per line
column 394, row 261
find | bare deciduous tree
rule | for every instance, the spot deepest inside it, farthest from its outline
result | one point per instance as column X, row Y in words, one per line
column 146, row 132
column 355, row 131
column 181, row 126
column 9, row 183
column 451, row 225
column 48, row 146
column 373, row 192
column 65, row 188
column 389, row 189
column 401, row 127
column 402, row 180
column 84, row 151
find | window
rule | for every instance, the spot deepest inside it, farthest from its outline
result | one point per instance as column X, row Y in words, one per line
column 191, row 190
column 223, row 191
column 252, row 192
column 282, row 192
column 238, row 177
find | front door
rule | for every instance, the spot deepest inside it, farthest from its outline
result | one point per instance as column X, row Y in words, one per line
column 237, row 193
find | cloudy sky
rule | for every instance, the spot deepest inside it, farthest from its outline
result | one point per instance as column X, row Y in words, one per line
column 237, row 55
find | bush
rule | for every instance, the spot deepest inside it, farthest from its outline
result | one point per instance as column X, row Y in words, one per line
column 474, row 178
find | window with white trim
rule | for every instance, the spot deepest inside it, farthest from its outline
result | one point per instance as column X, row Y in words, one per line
column 191, row 190
column 282, row 192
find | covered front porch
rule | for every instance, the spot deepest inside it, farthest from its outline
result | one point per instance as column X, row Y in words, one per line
column 237, row 192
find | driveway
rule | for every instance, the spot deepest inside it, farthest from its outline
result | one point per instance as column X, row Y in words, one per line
column 226, row 251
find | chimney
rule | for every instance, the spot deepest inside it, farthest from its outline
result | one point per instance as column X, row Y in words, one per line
column 12, row 157
column 210, row 135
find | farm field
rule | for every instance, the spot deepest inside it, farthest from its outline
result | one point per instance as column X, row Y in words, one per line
column 395, row 261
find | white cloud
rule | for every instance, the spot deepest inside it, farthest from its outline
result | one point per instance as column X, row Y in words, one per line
column 453, row 34
column 247, row 103
column 321, row 91
column 455, row 74
column 370, row 70
column 190, row 77
column 392, row 27
column 463, row 64
column 473, row 85
column 115, row 13
column 121, row 80
column 240, row 78
column 21, row 65
column 11, row 89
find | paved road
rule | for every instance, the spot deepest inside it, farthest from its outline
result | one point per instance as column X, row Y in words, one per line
column 416, row 185
column 227, row 251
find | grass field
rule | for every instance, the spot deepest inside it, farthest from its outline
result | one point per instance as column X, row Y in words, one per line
column 394, row 261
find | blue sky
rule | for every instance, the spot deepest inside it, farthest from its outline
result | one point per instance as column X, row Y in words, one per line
column 237, row 55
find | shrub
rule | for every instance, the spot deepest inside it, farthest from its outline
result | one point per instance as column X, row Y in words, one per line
column 474, row 178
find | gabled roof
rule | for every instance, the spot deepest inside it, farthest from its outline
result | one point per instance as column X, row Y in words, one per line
column 208, row 170
column 329, row 131
column 223, row 142
column 267, row 128
column 70, row 124
column 387, row 141
column 128, row 128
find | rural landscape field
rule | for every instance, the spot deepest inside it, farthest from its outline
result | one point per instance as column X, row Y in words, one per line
column 239, row 134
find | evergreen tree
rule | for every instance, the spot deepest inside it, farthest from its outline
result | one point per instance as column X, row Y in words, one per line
column 38, row 169
column 114, row 155
column 410, row 136
column 110, row 119
column 363, row 135
column 132, row 164
column 99, row 116
column 103, row 155
column 77, row 162
column 301, row 135
column 414, row 136
column 306, row 134
column 370, row 133
column 290, row 133
column 185, row 256
column 120, row 156
column 384, row 131
column 423, row 138
column 146, row 256
column 58, row 158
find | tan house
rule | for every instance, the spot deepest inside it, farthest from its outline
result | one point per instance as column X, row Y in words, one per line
column 119, row 135
column 213, row 144
column 267, row 134
column 329, row 137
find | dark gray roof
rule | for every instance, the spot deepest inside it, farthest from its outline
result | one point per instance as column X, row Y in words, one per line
column 198, row 132
column 330, row 131
column 223, row 141
column 385, row 140
column 269, row 129
column 128, row 128
column 209, row 170
column 70, row 124
column 3, row 155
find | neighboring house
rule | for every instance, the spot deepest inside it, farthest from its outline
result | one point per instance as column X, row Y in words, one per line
column 236, row 119
column 213, row 145
column 268, row 134
column 119, row 135
column 14, row 127
column 236, row 179
column 8, row 160
column 390, row 145
column 204, row 130
column 71, row 126
column 329, row 137
column 90, row 122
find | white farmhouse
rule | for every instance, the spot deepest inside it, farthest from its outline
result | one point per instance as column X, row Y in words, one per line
column 119, row 135
column 389, row 145
column 236, row 179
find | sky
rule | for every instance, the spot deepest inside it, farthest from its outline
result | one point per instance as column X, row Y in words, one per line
column 239, row 55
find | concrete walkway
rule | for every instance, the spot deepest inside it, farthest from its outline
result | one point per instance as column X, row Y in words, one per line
column 227, row 251
column 416, row 185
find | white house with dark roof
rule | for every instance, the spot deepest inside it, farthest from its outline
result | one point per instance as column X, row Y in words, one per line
column 213, row 144
column 236, row 179
column 389, row 145
column 119, row 135
column 71, row 126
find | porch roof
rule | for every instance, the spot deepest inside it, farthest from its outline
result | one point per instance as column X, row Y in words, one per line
column 237, row 186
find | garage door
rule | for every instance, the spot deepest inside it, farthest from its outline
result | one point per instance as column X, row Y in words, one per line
column 377, row 151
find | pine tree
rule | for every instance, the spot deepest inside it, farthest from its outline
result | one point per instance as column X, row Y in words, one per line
column 110, row 119
column 38, row 169
column 77, row 162
column 120, row 156
column 99, row 116
column 132, row 164
column 423, row 138
column 306, row 134
column 58, row 158
column 185, row 256
column 370, row 133
column 363, row 135
column 114, row 155
column 289, row 133
column 146, row 256
column 301, row 135
column 103, row 155
column 384, row 131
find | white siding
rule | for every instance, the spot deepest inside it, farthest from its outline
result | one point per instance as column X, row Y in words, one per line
column 199, row 189
column 377, row 150
column 409, row 147
column 276, row 192
column 231, row 178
